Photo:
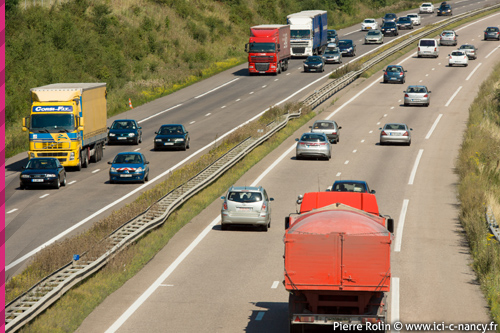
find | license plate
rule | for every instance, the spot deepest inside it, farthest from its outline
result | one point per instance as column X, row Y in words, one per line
column 393, row 78
column 393, row 134
column 37, row 180
column 244, row 209
column 122, row 138
column 312, row 70
column 126, row 176
column 168, row 143
column 368, row 28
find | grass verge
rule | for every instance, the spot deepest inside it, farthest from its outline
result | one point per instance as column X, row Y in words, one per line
column 478, row 167
column 69, row 312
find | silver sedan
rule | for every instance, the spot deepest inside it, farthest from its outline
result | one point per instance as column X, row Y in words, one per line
column 395, row 133
column 374, row 36
column 313, row 145
column 417, row 95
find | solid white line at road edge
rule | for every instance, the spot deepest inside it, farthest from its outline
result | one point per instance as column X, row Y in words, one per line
column 394, row 301
column 401, row 224
column 120, row 321
column 225, row 84
column 453, row 96
column 433, row 126
column 471, row 73
column 415, row 167
column 496, row 48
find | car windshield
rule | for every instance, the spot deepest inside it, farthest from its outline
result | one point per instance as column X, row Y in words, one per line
column 333, row 52
column 244, row 196
column 323, row 125
column 166, row 130
column 127, row 158
column 404, row 19
column 349, row 187
column 394, row 127
column 389, row 16
column 411, row 15
column 41, row 164
column 123, row 125
column 426, row 5
column 332, row 33
column 417, row 90
column 345, row 43
column 457, row 53
column 468, row 47
column 394, row 69
column 314, row 59
column 312, row 137
column 373, row 33
column 369, row 21
column 390, row 25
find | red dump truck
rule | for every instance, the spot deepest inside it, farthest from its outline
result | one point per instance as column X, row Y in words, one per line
column 337, row 262
column 268, row 49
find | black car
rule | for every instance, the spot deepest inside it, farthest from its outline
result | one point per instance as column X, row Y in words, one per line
column 492, row 32
column 394, row 73
column 314, row 64
column 124, row 131
column 171, row 136
column 389, row 17
column 43, row 171
column 404, row 22
column 390, row 28
column 444, row 10
column 332, row 36
column 347, row 47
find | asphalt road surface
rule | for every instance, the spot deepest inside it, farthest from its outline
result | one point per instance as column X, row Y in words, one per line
column 208, row 280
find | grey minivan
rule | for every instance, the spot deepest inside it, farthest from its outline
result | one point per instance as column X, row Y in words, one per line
column 246, row 205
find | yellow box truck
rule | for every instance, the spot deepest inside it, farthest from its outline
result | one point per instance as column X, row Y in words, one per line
column 68, row 121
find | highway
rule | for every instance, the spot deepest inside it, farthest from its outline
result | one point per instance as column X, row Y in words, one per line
column 208, row 109
column 208, row 280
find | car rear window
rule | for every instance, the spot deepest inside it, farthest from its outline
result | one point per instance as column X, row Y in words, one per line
column 457, row 53
column 427, row 43
column 245, row 196
column 312, row 137
column 468, row 47
column 323, row 125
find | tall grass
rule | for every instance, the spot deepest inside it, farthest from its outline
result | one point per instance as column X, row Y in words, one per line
column 478, row 167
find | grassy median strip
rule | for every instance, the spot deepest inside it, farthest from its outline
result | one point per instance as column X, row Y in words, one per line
column 69, row 312
column 478, row 167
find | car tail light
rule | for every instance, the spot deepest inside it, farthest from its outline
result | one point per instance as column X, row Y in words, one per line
column 405, row 133
column 383, row 133
column 263, row 207
column 401, row 74
column 225, row 205
column 435, row 49
column 426, row 95
column 406, row 95
column 419, row 48
column 322, row 143
column 451, row 57
column 385, row 73
column 302, row 143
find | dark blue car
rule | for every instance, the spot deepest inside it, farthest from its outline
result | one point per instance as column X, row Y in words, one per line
column 358, row 186
column 124, row 131
column 129, row 167
column 347, row 47
column 43, row 171
column 394, row 73
column 171, row 136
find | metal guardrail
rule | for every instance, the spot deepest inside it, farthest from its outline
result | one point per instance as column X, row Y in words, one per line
column 43, row 294
column 328, row 90
column 492, row 223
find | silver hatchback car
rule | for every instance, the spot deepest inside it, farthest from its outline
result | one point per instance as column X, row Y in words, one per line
column 313, row 145
column 328, row 127
column 448, row 37
column 417, row 95
column 246, row 205
column 395, row 133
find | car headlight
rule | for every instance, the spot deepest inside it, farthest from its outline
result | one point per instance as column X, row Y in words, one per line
column 139, row 169
column 25, row 176
column 131, row 134
column 112, row 134
column 179, row 140
column 113, row 169
column 157, row 140
column 51, row 175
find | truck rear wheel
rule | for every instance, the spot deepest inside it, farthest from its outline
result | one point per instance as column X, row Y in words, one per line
column 84, row 158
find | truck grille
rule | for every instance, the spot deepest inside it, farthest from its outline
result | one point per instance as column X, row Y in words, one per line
column 261, row 67
column 261, row 59
column 298, row 50
column 52, row 145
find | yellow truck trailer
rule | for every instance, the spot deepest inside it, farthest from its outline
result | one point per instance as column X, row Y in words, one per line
column 68, row 121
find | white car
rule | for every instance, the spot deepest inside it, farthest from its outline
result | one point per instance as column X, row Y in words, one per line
column 415, row 18
column 458, row 57
column 369, row 24
column 427, row 7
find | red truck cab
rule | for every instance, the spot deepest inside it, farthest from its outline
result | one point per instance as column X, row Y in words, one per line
column 268, row 49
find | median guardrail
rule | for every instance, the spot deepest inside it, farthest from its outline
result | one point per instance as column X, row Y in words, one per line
column 39, row 297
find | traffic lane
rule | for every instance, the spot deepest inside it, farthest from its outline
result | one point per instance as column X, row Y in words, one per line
column 297, row 172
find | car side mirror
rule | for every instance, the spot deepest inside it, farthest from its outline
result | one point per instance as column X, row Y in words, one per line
column 147, row 162
column 373, row 192
column 380, row 128
column 223, row 198
column 24, row 167
column 340, row 127
column 430, row 91
column 406, row 71
column 411, row 129
column 139, row 127
column 287, row 222
column 271, row 199
column 156, row 132
column 109, row 162
column 108, row 127
column 310, row 127
column 448, row 55
column 296, row 139
column 404, row 91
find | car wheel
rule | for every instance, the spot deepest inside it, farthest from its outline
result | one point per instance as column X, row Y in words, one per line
column 409, row 143
column 297, row 157
column 189, row 142
column 466, row 65
column 264, row 227
column 405, row 104
column 223, row 226
column 136, row 141
column 427, row 105
column 111, row 181
column 57, row 185
column 385, row 81
column 21, row 186
column 185, row 146
column 140, row 141
column 381, row 143
column 64, row 181
column 147, row 177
